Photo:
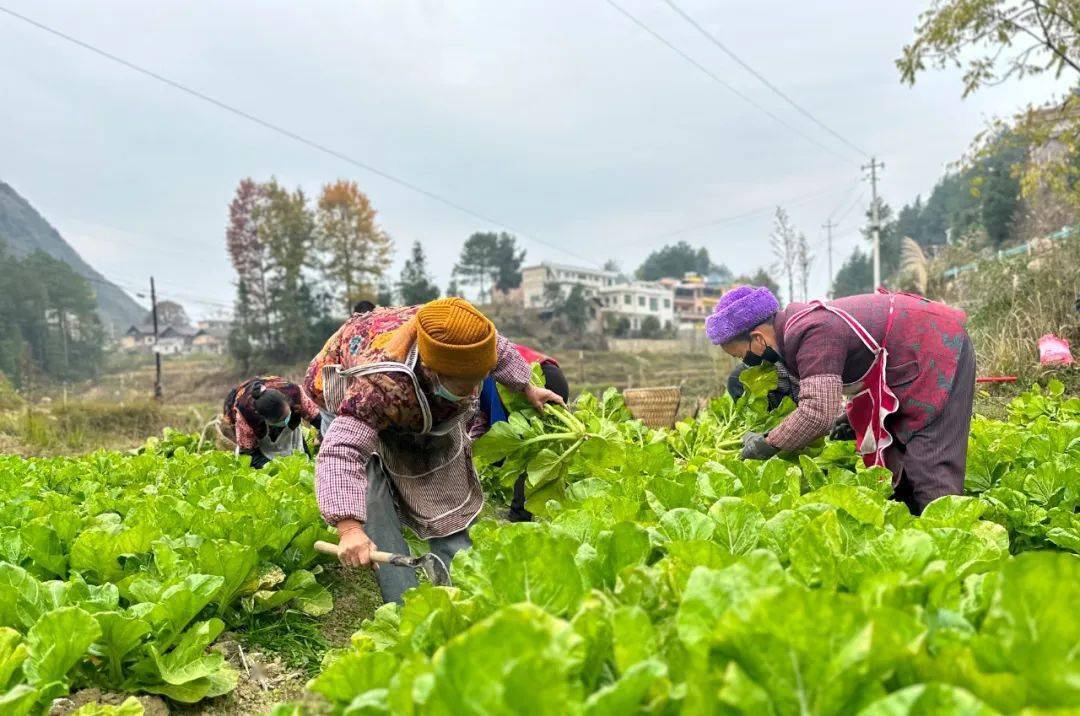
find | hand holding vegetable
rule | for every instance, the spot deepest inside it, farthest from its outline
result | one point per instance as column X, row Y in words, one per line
column 354, row 546
column 538, row 397
column 756, row 448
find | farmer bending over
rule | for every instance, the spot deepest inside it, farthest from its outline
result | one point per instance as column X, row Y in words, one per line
column 905, row 363
column 403, row 383
column 263, row 416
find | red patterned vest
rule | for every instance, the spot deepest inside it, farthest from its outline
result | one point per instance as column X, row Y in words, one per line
column 924, row 346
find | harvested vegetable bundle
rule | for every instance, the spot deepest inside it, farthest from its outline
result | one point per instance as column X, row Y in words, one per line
column 552, row 446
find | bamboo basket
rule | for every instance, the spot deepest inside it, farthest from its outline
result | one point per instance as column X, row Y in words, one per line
column 656, row 407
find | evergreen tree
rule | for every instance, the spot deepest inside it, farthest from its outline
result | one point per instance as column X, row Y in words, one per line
column 676, row 260
column 856, row 275
column 571, row 309
column 240, row 342
column 760, row 277
column 250, row 260
column 490, row 261
column 287, row 229
column 386, row 296
column 48, row 319
column 415, row 286
column 508, row 259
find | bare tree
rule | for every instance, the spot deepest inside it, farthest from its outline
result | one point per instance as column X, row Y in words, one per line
column 784, row 241
column 804, row 260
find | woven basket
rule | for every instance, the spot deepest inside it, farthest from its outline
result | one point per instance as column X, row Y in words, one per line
column 656, row 407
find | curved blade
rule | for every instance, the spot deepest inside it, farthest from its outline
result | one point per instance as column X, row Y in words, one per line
column 435, row 569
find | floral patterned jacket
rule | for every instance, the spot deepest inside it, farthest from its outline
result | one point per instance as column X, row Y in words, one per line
column 386, row 403
column 239, row 410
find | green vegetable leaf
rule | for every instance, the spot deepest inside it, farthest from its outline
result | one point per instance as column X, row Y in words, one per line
column 12, row 655
column 54, row 645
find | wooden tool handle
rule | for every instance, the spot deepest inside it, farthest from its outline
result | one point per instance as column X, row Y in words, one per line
column 332, row 549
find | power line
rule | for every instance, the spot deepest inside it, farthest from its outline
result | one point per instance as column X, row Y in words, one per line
column 135, row 237
column 715, row 78
column 266, row 124
column 776, row 90
column 736, row 217
column 136, row 288
column 843, row 201
column 847, row 211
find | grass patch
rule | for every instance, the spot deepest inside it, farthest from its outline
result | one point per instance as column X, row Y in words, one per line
column 83, row 426
column 291, row 635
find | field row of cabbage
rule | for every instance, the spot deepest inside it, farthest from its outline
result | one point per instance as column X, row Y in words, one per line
column 664, row 576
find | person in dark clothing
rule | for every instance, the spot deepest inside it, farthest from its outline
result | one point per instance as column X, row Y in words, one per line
column 906, row 363
column 493, row 411
column 264, row 414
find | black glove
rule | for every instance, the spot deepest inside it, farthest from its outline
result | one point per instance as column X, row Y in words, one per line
column 258, row 460
column 842, row 430
column 755, row 447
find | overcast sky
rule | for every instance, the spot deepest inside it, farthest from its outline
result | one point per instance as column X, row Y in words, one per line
column 563, row 120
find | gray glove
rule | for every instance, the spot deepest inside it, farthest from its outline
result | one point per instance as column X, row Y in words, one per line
column 755, row 447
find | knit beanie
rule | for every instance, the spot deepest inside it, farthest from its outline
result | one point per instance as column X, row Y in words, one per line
column 741, row 309
column 455, row 339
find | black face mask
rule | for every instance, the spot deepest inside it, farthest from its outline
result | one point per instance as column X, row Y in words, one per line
column 768, row 356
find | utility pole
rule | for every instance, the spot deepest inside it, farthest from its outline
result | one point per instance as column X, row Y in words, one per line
column 829, row 226
column 873, row 167
column 157, row 353
column 67, row 360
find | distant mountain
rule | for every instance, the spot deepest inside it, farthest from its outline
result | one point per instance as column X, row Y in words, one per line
column 25, row 231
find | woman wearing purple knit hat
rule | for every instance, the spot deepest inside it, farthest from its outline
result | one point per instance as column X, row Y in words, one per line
column 904, row 363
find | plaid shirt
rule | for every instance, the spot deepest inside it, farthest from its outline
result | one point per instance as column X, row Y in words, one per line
column 341, row 468
column 820, row 400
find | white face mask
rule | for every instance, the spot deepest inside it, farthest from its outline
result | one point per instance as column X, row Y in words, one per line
column 280, row 423
column 442, row 392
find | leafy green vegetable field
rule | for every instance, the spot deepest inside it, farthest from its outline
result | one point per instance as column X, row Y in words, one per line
column 675, row 578
column 666, row 576
column 118, row 571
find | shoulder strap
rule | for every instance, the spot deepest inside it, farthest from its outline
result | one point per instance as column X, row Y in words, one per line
column 813, row 306
column 406, row 368
column 854, row 325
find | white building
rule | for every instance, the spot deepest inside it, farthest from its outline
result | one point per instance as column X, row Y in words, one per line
column 535, row 278
column 637, row 301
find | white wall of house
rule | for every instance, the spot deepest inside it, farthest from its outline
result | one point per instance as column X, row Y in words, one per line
column 535, row 278
column 173, row 345
column 639, row 300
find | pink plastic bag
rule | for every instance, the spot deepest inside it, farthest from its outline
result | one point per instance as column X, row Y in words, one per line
column 1054, row 350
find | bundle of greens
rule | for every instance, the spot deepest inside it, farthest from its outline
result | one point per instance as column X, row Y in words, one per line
column 554, row 447
column 719, row 430
column 595, row 436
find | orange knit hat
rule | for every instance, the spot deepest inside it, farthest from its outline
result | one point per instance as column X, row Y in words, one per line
column 455, row 339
